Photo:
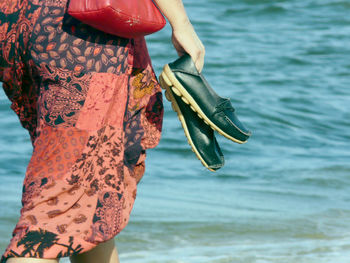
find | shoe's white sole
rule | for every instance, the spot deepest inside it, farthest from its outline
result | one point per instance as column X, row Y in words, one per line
column 171, row 81
column 170, row 97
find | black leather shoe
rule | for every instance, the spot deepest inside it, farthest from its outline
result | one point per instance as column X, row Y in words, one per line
column 199, row 135
column 185, row 81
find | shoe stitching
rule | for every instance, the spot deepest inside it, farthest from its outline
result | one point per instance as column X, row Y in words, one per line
column 224, row 105
column 228, row 119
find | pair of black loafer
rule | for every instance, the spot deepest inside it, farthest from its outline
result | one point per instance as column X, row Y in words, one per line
column 201, row 111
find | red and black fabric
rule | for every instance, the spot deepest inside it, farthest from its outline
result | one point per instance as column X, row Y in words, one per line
column 92, row 106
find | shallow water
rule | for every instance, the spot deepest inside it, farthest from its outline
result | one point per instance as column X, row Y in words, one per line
column 282, row 197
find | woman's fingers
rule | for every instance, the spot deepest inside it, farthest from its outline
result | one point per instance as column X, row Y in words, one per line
column 199, row 59
column 185, row 40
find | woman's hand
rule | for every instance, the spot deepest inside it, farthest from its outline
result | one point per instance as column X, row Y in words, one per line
column 185, row 40
column 184, row 37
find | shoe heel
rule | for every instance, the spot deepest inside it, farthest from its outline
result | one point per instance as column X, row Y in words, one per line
column 162, row 83
column 166, row 82
column 165, row 86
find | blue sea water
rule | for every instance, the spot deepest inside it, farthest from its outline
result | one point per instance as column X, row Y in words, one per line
column 284, row 196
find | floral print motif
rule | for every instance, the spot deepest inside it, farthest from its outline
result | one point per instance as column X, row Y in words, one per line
column 92, row 106
column 62, row 41
column 108, row 213
column 35, row 242
column 140, row 82
column 62, row 98
column 9, row 6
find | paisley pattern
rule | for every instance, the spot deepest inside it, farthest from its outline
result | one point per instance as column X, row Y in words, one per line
column 9, row 6
column 92, row 106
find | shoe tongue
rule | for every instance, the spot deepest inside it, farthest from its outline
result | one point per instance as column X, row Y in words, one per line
column 184, row 63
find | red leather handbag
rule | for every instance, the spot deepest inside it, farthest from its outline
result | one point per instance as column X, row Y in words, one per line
column 124, row 18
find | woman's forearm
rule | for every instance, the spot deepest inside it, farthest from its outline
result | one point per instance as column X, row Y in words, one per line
column 174, row 11
column 184, row 37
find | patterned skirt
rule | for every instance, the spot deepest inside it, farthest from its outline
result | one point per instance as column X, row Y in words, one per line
column 92, row 106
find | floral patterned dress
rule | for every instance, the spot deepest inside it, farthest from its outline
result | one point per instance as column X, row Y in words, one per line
column 92, row 106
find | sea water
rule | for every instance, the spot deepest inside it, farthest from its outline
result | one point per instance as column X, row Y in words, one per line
column 284, row 196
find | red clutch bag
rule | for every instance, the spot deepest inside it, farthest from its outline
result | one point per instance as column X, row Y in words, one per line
column 124, row 18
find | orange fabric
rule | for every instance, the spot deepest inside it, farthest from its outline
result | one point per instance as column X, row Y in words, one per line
column 92, row 106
